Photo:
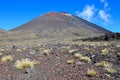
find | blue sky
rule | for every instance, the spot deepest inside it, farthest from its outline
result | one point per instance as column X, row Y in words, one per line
column 105, row 13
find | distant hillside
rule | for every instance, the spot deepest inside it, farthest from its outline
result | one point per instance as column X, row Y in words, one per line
column 2, row 32
column 59, row 24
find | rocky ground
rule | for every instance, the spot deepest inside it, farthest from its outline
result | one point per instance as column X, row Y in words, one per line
column 59, row 62
column 106, row 37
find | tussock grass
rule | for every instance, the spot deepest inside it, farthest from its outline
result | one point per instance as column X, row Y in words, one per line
column 103, row 64
column 111, row 70
column 77, row 55
column 2, row 50
column 37, row 63
column 86, row 48
column 100, row 64
column 105, row 51
column 47, row 51
column 86, row 59
column 70, row 61
column 108, row 67
column 71, row 51
column 24, row 64
column 7, row 58
column 32, row 52
column 91, row 72
column 1, row 54
column 19, row 50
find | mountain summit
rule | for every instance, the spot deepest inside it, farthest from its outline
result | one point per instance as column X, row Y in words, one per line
column 58, row 24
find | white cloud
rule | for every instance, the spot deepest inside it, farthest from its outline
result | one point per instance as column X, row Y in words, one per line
column 87, row 13
column 102, row 0
column 92, row 14
column 105, row 3
column 104, row 16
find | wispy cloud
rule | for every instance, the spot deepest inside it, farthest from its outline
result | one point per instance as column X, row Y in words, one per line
column 104, row 13
column 106, row 5
column 92, row 14
column 104, row 16
column 102, row 0
column 87, row 13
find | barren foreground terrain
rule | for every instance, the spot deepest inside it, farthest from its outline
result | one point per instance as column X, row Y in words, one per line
column 61, row 61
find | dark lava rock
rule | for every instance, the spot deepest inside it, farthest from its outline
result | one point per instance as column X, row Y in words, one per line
column 117, row 75
column 106, row 37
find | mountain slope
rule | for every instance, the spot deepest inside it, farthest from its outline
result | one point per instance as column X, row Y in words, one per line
column 57, row 24
column 2, row 32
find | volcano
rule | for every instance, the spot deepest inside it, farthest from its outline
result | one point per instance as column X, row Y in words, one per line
column 60, row 24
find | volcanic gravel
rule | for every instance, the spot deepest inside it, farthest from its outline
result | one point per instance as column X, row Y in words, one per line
column 53, row 66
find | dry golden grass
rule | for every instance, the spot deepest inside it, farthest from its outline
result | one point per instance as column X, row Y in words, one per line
column 2, row 50
column 91, row 72
column 100, row 64
column 86, row 48
column 32, row 52
column 103, row 64
column 19, row 50
column 70, row 61
column 24, row 48
column 86, row 59
column 77, row 55
column 36, row 63
column 107, row 66
column 47, row 51
column 1, row 54
column 105, row 51
column 111, row 70
column 7, row 58
column 24, row 63
column 71, row 51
